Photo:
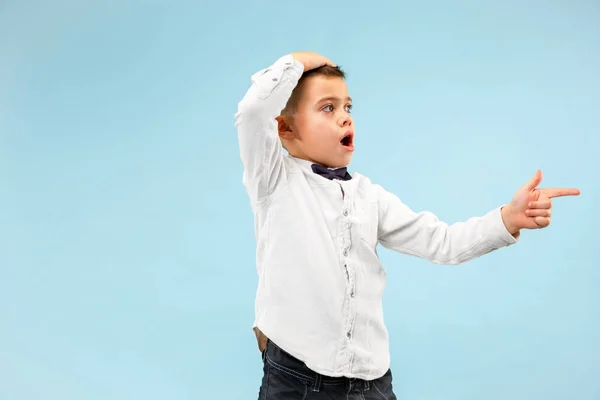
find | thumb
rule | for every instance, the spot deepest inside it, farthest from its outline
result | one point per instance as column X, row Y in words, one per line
column 535, row 181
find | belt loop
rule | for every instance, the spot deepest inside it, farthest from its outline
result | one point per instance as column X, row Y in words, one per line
column 317, row 385
column 367, row 386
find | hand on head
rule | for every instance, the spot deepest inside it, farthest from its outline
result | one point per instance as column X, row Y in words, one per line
column 312, row 60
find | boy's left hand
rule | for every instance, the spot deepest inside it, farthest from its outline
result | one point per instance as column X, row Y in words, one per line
column 531, row 208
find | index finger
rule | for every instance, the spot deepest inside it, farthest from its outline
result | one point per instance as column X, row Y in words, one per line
column 559, row 192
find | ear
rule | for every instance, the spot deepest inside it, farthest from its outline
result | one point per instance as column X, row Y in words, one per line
column 284, row 128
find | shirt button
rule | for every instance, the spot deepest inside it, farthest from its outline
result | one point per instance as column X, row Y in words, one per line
column 274, row 79
column 345, row 213
column 345, row 252
column 352, row 293
column 349, row 334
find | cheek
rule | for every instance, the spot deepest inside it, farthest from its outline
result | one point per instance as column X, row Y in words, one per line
column 324, row 125
column 317, row 130
column 323, row 135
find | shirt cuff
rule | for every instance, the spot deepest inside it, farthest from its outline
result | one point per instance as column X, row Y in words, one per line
column 286, row 70
column 281, row 65
column 289, row 62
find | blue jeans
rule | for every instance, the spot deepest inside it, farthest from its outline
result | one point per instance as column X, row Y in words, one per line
column 287, row 378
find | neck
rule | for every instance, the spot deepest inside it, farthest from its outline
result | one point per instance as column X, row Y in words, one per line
column 308, row 160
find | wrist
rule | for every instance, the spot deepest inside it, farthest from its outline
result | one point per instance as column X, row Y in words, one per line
column 298, row 57
column 507, row 219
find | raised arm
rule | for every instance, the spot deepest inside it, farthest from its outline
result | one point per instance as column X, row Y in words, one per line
column 260, row 148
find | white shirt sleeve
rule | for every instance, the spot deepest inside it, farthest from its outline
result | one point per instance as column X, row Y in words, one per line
column 260, row 148
column 423, row 235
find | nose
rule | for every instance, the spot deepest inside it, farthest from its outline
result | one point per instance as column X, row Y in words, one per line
column 345, row 119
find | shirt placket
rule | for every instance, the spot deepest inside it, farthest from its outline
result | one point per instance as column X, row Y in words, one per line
column 349, row 270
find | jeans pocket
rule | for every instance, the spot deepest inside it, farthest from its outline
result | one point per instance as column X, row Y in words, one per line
column 278, row 384
column 383, row 387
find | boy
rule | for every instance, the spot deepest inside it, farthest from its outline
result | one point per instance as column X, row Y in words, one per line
column 319, row 319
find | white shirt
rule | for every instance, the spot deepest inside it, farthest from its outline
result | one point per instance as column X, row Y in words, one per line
column 321, row 282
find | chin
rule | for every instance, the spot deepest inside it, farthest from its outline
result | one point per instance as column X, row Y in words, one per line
column 337, row 162
column 344, row 162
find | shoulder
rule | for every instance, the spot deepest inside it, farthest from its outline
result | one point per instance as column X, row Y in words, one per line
column 367, row 187
column 365, row 182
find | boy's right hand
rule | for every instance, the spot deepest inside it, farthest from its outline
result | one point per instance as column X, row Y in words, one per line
column 312, row 60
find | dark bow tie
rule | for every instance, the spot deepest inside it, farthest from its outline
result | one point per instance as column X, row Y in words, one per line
column 339, row 173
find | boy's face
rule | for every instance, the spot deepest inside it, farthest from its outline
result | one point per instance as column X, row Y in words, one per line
column 321, row 130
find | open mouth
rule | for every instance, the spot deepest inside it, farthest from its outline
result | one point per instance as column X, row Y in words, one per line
column 348, row 140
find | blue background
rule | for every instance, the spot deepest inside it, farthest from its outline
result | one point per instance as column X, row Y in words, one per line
column 126, row 236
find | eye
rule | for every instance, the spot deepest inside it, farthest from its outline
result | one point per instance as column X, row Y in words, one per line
column 349, row 108
column 328, row 107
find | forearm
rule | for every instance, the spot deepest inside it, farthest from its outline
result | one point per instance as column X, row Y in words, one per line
column 424, row 236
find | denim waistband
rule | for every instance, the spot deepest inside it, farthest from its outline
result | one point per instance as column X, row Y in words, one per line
column 285, row 362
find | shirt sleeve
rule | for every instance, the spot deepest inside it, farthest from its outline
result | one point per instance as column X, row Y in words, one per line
column 423, row 235
column 260, row 148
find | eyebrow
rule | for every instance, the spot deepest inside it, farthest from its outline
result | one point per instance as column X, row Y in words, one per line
column 333, row 98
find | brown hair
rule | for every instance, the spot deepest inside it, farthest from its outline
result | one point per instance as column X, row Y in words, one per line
column 325, row 70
